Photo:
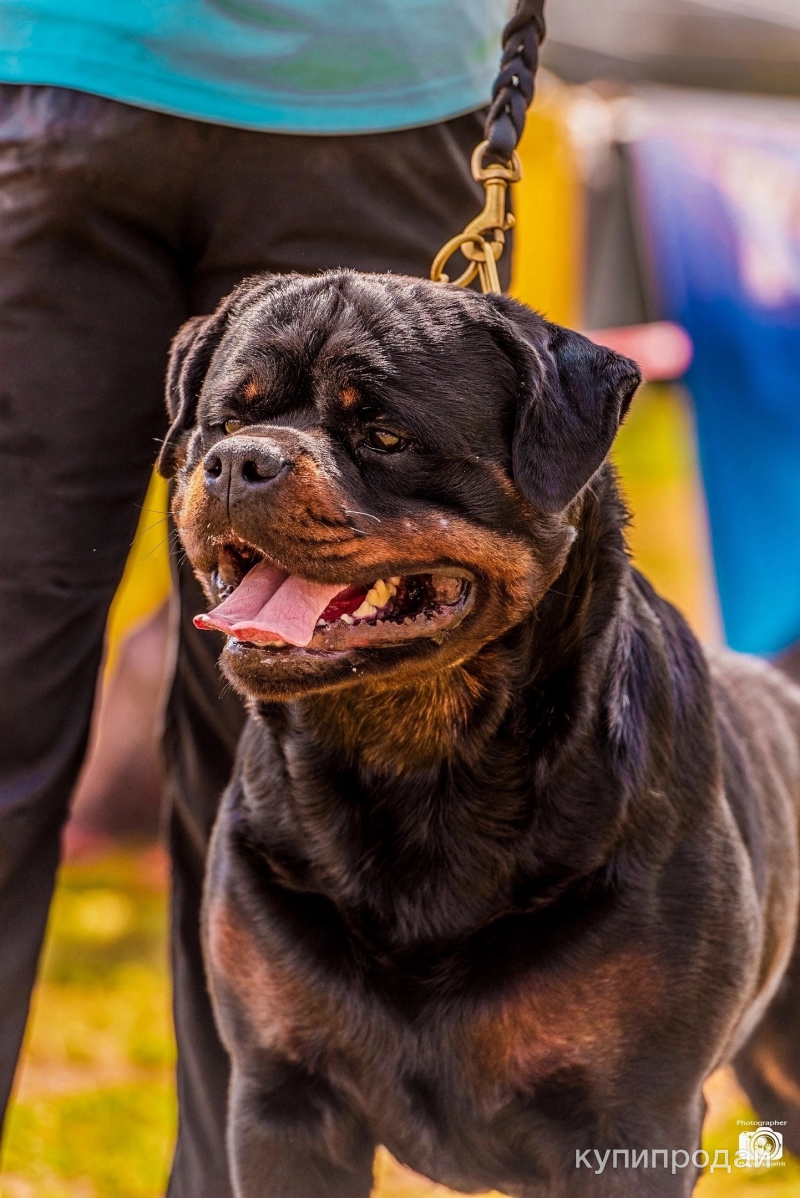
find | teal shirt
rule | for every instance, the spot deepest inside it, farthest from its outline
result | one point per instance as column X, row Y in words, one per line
column 295, row 66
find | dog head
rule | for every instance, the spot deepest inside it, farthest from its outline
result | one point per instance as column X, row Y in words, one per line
column 378, row 476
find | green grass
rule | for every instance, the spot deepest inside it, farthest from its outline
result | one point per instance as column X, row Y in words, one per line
column 95, row 1113
column 110, row 1141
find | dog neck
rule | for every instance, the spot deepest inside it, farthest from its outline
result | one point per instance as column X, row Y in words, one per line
column 401, row 729
column 444, row 805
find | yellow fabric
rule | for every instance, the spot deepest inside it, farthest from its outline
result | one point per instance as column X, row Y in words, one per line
column 547, row 271
column 146, row 582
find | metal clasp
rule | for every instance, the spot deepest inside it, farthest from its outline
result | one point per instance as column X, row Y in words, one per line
column 481, row 251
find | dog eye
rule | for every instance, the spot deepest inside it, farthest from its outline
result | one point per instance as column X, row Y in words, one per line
column 233, row 426
column 385, row 440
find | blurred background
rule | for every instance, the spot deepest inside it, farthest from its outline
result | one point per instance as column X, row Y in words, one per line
column 661, row 189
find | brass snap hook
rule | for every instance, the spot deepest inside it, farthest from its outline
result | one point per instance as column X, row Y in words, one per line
column 482, row 251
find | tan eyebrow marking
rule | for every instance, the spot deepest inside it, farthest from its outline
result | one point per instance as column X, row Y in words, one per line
column 349, row 397
column 252, row 390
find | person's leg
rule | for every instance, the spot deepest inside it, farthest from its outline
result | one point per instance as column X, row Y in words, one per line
column 203, row 722
column 88, row 302
column 384, row 202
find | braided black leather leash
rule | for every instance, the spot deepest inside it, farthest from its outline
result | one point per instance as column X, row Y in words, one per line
column 513, row 88
column 495, row 162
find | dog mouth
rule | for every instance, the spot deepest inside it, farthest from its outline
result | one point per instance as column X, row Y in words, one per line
column 262, row 605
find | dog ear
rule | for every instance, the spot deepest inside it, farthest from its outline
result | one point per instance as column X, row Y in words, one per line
column 190, row 356
column 573, row 397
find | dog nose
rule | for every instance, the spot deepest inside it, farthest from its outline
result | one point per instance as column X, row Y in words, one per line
column 240, row 466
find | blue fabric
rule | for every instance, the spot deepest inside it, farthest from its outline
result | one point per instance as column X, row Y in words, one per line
column 299, row 66
column 720, row 193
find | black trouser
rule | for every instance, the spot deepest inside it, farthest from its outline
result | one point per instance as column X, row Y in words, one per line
column 116, row 224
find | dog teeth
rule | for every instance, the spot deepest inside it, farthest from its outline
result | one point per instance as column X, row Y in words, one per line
column 347, row 619
column 381, row 592
column 222, row 588
column 365, row 611
column 321, row 624
column 396, row 580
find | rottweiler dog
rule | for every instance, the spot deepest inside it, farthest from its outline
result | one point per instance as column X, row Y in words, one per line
column 508, row 864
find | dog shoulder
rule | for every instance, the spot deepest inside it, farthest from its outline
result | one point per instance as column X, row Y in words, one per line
column 761, row 704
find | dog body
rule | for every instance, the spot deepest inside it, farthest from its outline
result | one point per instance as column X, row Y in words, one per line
column 507, row 867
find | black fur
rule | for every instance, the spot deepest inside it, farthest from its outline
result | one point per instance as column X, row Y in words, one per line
column 511, row 894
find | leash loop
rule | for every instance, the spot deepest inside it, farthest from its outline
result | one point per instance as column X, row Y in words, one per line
column 481, row 251
column 483, row 240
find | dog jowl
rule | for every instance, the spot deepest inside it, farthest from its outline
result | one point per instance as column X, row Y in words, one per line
column 508, row 865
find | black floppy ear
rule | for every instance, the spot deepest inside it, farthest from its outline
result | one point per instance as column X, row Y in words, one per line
column 573, row 396
column 189, row 358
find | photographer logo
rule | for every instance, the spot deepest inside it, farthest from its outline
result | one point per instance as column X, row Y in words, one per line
column 760, row 1147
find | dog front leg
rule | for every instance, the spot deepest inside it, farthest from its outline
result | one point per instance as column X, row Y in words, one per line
column 293, row 1138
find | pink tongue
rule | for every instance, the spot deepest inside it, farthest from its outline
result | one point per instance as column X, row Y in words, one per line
column 271, row 605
